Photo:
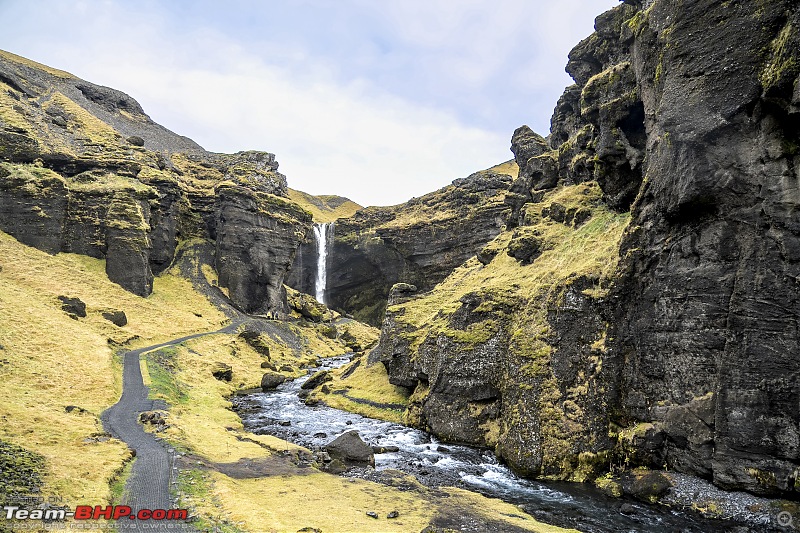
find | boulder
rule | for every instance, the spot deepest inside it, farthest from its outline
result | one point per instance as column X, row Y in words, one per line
column 317, row 379
column 525, row 248
column 118, row 318
column 351, row 450
column 270, row 380
column 74, row 307
column 223, row 372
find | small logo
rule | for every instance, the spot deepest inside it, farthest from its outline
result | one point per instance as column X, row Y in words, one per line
column 785, row 519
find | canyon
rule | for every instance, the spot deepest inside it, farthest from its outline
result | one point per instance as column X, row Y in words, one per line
column 623, row 294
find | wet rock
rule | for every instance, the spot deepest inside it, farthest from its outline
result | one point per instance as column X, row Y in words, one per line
column 118, row 318
column 648, row 487
column 317, row 379
column 222, row 371
column 74, row 307
column 372, row 514
column 627, row 508
column 351, row 450
column 393, row 514
column 385, row 449
column 271, row 380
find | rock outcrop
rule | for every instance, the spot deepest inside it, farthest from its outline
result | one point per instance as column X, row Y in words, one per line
column 418, row 242
column 84, row 170
column 642, row 307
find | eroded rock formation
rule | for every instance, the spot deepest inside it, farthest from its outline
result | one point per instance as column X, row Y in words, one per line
column 86, row 171
column 418, row 242
column 674, row 341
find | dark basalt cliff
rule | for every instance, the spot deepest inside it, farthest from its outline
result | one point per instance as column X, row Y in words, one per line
column 642, row 306
column 418, row 242
column 85, row 170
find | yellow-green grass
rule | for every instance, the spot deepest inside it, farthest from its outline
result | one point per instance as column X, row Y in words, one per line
column 50, row 361
column 509, row 167
column 497, row 509
column 285, row 500
column 84, row 123
column 590, row 250
column 370, row 383
column 200, row 412
column 324, row 208
column 327, row 502
column 287, row 503
column 366, row 335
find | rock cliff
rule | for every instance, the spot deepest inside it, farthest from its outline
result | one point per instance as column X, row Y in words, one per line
column 642, row 306
column 418, row 242
column 85, row 170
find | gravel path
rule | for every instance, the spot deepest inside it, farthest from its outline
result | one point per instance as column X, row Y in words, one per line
column 148, row 485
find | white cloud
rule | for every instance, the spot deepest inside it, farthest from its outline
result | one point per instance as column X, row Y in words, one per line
column 429, row 92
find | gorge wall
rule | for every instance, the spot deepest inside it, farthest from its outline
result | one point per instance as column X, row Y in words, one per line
column 86, row 171
column 642, row 305
column 418, row 242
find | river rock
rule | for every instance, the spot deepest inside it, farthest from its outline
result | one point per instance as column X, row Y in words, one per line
column 271, row 380
column 351, row 450
column 317, row 379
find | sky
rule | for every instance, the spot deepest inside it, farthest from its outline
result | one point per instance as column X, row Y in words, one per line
column 375, row 100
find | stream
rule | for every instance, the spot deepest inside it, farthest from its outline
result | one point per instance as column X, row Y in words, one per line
column 283, row 414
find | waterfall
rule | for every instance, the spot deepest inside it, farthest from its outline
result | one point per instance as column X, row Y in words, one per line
column 323, row 235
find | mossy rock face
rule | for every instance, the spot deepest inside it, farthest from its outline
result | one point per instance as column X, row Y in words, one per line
column 256, row 341
column 419, row 242
column 649, row 487
column 22, row 471
column 525, row 247
column 89, row 172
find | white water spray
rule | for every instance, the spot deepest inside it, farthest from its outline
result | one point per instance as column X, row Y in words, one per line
column 323, row 234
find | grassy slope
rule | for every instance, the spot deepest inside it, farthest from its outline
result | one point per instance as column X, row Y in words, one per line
column 282, row 500
column 380, row 399
column 50, row 361
column 324, row 208
column 589, row 251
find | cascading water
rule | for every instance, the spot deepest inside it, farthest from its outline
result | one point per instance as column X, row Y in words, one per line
column 323, row 235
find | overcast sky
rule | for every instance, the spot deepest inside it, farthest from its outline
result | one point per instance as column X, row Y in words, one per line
column 376, row 100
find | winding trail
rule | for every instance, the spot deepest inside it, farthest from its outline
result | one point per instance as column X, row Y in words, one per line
column 148, row 485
